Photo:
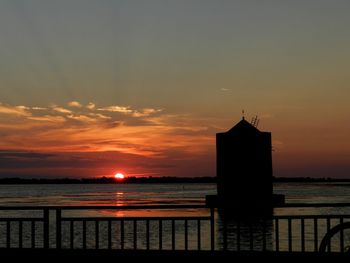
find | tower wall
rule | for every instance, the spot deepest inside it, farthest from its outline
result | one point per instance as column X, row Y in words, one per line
column 244, row 167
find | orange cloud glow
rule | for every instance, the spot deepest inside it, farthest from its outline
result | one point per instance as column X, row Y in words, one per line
column 146, row 135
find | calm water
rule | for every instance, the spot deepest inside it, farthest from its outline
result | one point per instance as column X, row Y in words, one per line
column 147, row 194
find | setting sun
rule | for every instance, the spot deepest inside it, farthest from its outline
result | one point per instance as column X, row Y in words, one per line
column 119, row 176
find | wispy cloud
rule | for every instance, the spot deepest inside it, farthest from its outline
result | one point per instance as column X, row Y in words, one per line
column 82, row 118
column 74, row 104
column 38, row 108
column 49, row 118
column 145, row 112
column 120, row 109
column 61, row 110
column 130, row 111
column 21, row 154
column 100, row 116
column 14, row 110
column 91, row 106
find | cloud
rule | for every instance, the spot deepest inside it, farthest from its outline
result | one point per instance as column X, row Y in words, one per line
column 75, row 104
column 100, row 116
column 14, row 110
column 81, row 118
column 225, row 89
column 38, row 108
column 20, row 154
column 91, row 106
column 145, row 112
column 94, row 140
column 61, row 110
column 129, row 111
column 120, row 109
column 49, row 118
column 146, row 131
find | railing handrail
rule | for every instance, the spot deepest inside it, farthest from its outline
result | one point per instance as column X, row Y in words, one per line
column 106, row 207
column 135, row 218
column 292, row 205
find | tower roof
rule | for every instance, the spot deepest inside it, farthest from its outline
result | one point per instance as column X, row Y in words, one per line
column 243, row 127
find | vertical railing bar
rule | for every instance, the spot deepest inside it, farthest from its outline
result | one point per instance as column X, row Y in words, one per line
column 251, row 237
column 277, row 234
column 341, row 220
column 290, row 244
column 135, row 234
column 147, row 234
column 238, row 234
column 316, row 234
column 264, row 235
column 71, row 234
column 328, row 228
column 199, row 233
column 212, row 229
column 122, row 234
column 58, row 228
column 8, row 234
column 173, row 234
column 46, row 228
column 186, row 234
column 160, row 234
column 97, row 232
column 302, row 235
column 109, row 229
column 20, row 234
column 84, row 234
column 224, row 234
column 33, row 233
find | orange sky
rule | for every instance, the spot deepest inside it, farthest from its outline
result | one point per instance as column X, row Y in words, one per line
column 90, row 88
column 91, row 140
column 82, row 140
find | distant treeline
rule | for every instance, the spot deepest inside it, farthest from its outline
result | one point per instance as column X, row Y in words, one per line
column 309, row 179
column 149, row 180
column 109, row 180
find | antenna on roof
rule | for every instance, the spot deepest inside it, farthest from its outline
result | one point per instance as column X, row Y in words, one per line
column 255, row 121
column 242, row 114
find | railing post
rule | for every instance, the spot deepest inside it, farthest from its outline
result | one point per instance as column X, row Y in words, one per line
column 8, row 234
column 212, row 229
column 46, row 228
column 277, row 238
column 58, row 228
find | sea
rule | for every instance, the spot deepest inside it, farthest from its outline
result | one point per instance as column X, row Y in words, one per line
column 155, row 194
column 164, row 194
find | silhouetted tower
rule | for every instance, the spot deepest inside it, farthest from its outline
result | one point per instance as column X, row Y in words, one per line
column 244, row 166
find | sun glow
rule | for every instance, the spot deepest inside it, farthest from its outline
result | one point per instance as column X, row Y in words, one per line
column 119, row 176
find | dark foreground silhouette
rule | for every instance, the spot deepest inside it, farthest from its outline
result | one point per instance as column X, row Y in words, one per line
column 42, row 255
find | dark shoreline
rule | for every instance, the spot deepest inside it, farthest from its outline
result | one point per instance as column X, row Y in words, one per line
column 153, row 180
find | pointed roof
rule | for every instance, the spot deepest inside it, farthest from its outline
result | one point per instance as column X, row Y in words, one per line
column 243, row 127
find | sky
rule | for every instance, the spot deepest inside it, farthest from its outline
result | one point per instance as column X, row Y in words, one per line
column 91, row 88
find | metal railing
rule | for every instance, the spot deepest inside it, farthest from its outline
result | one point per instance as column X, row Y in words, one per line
column 25, row 230
column 85, row 227
column 288, row 233
column 60, row 230
column 283, row 233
